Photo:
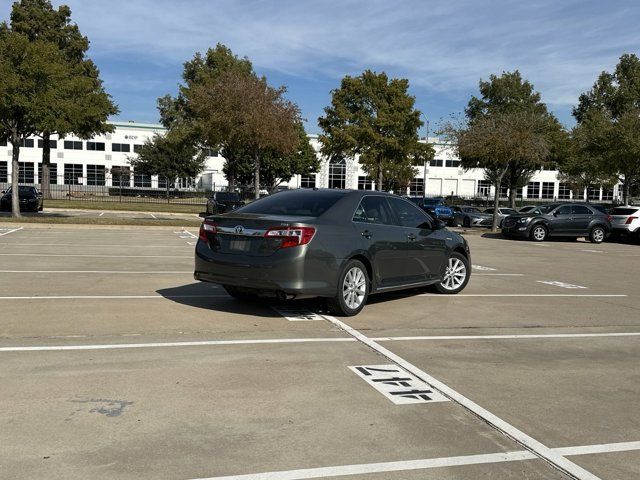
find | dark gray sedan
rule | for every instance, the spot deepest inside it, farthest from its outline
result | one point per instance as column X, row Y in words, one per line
column 339, row 244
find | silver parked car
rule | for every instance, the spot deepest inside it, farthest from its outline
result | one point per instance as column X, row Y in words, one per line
column 502, row 214
column 469, row 216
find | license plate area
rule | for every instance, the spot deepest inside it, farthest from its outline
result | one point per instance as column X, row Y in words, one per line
column 239, row 245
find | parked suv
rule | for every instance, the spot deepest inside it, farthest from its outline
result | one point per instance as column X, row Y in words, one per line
column 222, row 202
column 559, row 219
column 30, row 199
column 435, row 207
column 626, row 220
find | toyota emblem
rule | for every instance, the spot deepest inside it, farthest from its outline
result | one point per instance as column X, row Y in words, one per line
column 239, row 229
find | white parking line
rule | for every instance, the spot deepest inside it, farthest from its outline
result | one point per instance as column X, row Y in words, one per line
column 586, row 295
column 101, row 214
column 10, row 231
column 50, row 348
column 296, row 340
column 498, row 274
column 423, row 464
column 189, row 233
column 557, row 283
column 153, row 216
column 531, row 444
column 109, row 272
column 89, row 255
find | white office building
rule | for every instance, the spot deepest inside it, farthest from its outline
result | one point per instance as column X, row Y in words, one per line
column 104, row 161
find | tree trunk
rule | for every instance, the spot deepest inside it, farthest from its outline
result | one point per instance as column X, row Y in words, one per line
column 380, row 177
column 256, row 176
column 45, row 182
column 232, row 181
column 15, row 172
column 496, row 205
column 512, row 197
column 625, row 191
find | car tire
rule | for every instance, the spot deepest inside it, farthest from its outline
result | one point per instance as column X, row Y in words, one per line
column 538, row 233
column 350, row 298
column 597, row 234
column 457, row 264
column 240, row 294
column 466, row 222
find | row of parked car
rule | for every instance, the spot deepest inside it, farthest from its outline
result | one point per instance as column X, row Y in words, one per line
column 539, row 222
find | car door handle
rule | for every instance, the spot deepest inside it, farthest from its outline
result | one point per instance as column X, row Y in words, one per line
column 412, row 237
column 367, row 234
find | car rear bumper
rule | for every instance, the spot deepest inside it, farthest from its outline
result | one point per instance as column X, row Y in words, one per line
column 290, row 271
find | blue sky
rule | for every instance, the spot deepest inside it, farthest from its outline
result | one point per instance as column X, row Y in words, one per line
column 444, row 48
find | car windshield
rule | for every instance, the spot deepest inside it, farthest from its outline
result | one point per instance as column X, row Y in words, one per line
column 470, row 210
column 433, row 201
column 508, row 211
column 547, row 208
column 306, row 203
column 23, row 190
column 227, row 197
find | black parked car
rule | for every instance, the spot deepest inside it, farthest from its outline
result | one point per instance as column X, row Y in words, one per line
column 222, row 202
column 30, row 199
column 562, row 220
column 340, row 244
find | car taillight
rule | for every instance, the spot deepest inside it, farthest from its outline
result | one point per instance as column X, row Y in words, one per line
column 291, row 236
column 630, row 220
column 207, row 227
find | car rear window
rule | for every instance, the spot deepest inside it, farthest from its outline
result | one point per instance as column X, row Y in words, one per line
column 227, row 197
column 305, row 203
column 624, row 211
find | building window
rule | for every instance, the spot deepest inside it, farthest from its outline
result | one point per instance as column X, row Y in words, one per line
column 162, row 182
column 72, row 145
column 27, row 142
column 365, row 183
column 140, row 180
column 26, row 172
column 547, row 189
column 95, row 146
column 186, row 182
column 533, row 190
column 484, row 188
column 607, row 194
column 564, row 192
column 120, row 147
column 308, row 181
column 3, row 143
column 416, row 187
column 120, row 176
column 452, row 163
column 52, row 144
column 4, row 172
column 137, row 148
column 593, row 193
column 436, row 162
column 72, row 173
column 337, row 174
column 95, row 175
column 504, row 191
column 53, row 173
column 519, row 192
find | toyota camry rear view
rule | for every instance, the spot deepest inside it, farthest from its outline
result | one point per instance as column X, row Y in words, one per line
column 343, row 245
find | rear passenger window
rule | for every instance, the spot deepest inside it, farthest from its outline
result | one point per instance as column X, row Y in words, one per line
column 581, row 210
column 373, row 209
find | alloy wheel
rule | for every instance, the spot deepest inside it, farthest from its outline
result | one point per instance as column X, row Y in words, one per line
column 354, row 288
column 539, row 233
column 598, row 235
column 455, row 274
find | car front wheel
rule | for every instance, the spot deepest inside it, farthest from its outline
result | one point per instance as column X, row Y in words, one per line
column 456, row 275
column 597, row 235
column 353, row 290
column 538, row 233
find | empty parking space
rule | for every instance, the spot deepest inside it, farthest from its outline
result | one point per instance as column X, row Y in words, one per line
column 116, row 363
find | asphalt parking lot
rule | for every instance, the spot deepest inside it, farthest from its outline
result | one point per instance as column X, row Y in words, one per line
column 115, row 363
column 55, row 213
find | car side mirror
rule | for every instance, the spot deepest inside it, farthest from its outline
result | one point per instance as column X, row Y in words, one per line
column 438, row 224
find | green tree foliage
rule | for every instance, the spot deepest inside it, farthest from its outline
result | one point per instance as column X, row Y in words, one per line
column 81, row 106
column 374, row 117
column 246, row 114
column 510, row 93
column 492, row 141
column 609, row 118
column 169, row 156
column 275, row 168
column 30, row 75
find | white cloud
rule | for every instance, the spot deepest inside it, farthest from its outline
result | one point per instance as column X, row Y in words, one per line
column 445, row 47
